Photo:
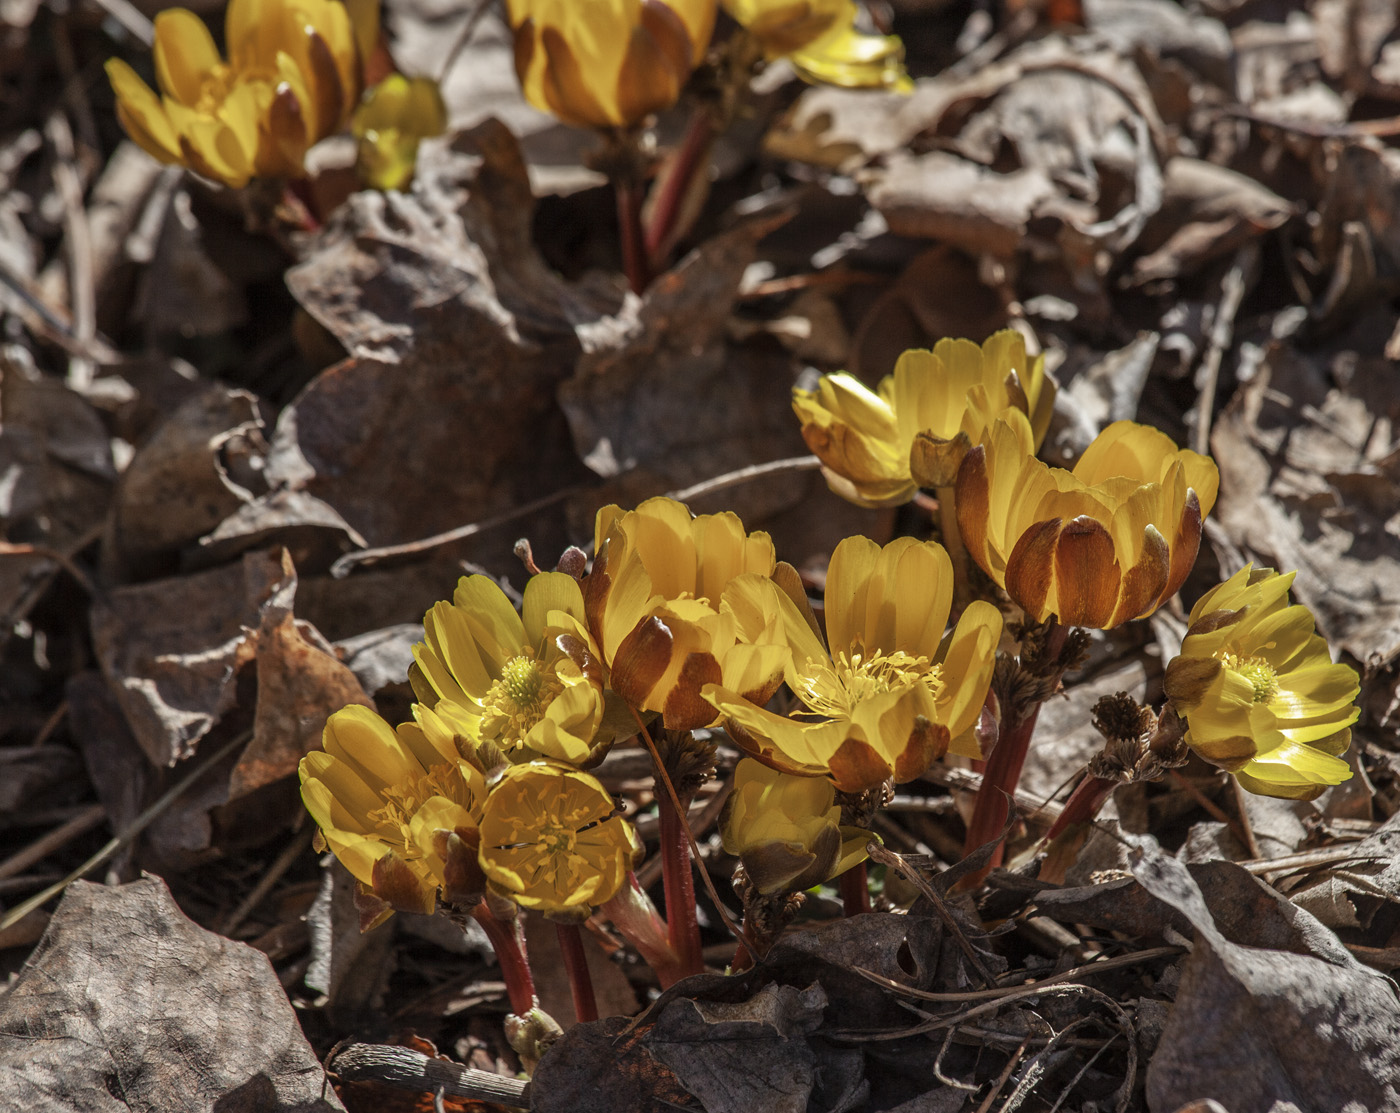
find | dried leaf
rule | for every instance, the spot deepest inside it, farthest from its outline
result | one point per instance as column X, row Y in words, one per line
column 126, row 1004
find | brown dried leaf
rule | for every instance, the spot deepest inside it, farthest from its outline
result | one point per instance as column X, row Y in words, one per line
column 126, row 1004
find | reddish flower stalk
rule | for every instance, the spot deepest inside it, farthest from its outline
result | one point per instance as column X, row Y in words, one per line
column 576, row 967
column 679, row 885
column 508, row 941
column 633, row 237
column 691, row 160
column 1083, row 804
column 855, row 890
column 636, row 918
column 1002, row 772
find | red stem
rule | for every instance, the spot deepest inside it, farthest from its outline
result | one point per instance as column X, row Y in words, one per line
column 855, row 890
column 508, row 941
column 1083, row 804
column 629, row 218
column 679, row 886
column 691, row 159
column 742, row 959
column 576, row 966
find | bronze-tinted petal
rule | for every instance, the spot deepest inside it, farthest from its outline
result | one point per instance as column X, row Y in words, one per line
column 463, row 879
column 1228, row 753
column 566, row 86
column 825, row 849
column 928, row 742
column 1087, row 576
column 1214, row 620
column 641, row 660
column 656, row 64
column 935, row 461
column 773, row 866
column 326, row 88
column 398, row 886
column 686, row 708
column 1187, row 679
column 973, row 497
column 856, row 766
column 283, row 150
column 372, row 910
column 1143, row 585
column 1185, row 547
column 1031, row 566
column 577, row 651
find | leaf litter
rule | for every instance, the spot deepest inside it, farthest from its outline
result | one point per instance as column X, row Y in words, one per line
column 1192, row 212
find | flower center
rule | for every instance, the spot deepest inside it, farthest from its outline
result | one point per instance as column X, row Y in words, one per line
column 834, row 689
column 518, row 700
column 1257, row 672
column 214, row 88
column 402, row 800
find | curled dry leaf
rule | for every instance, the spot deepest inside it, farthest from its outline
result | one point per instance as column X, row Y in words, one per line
column 126, row 1004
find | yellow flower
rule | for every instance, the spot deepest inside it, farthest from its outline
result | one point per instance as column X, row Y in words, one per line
column 657, row 603
column 878, row 447
column 607, row 63
column 1258, row 689
column 893, row 694
column 819, row 38
column 292, row 78
column 550, row 840
column 530, row 686
column 390, row 121
column 1108, row 542
column 787, row 830
column 399, row 809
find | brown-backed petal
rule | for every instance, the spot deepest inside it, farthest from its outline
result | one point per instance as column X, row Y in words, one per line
column 1031, row 566
column 641, row 660
column 685, row 707
column 565, row 85
column 974, row 503
column 397, row 885
column 1087, row 576
column 928, row 742
column 1145, row 580
column 657, row 62
column 1228, row 753
column 935, row 461
column 857, row 766
column 1187, row 679
column 286, row 134
column 1185, row 547
column 463, row 879
column 789, row 582
column 331, row 97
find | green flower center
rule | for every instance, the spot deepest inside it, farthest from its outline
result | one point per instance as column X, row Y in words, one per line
column 518, row 700
column 834, row 689
column 1258, row 673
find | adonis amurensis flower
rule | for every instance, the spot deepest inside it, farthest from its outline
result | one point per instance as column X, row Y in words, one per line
column 787, row 830
column 1107, row 542
column 550, row 840
column 399, row 808
column 660, row 609
column 293, row 75
column 878, row 447
column 607, row 63
column 531, row 683
column 1258, row 689
column 820, row 39
column 892, row 694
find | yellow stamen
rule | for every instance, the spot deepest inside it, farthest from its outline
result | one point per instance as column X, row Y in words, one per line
column 518, row 700
column 835, row 689
column 402, row 800
column 1258, row 672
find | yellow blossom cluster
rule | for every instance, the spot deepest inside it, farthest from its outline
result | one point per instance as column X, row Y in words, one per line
column 689, row 619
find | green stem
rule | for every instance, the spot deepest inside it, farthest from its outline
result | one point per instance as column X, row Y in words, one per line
column 508, row 941
column 679, row 886
column 855, row 890
column 576, row 967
